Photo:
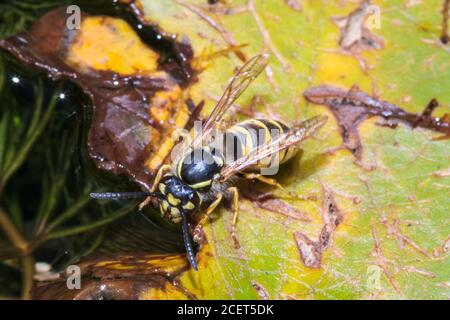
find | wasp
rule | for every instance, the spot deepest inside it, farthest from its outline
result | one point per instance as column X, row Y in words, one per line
column 203, row 173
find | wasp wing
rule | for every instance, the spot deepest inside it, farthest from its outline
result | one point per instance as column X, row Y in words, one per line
column 236, row 86
column 297, row 134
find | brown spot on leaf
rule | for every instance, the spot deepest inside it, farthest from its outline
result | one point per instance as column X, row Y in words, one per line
column 136, row 105
column 445, row 248
column 426, row 114
column 332, row 217
column 352, row 107
column 294, row 4
column 355, row 36
column 311, row 250
column 442, row 173
column 262, row 293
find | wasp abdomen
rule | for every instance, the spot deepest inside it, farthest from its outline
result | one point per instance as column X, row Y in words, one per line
column 245, row 136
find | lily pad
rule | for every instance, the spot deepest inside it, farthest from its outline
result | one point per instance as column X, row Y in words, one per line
column 371, row 216
column 392, row 228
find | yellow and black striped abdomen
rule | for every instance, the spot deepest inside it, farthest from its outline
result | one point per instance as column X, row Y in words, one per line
column 245, row 136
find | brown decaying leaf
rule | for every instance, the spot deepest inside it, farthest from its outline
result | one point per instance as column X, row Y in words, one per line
column 352, row 107
column 136, row 106
column 135, row 110
column 122, row 278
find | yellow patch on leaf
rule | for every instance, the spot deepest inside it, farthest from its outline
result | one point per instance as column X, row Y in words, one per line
column 169, row 292
column 110, row 44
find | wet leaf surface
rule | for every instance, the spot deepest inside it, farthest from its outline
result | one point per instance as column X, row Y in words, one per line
column 136, row 103
column 137, row 276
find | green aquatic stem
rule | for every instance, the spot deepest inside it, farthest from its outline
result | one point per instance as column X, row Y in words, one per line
column 30, row 139
column 21, row 244
column 56, row 181
column 2, row 73
column 68, row 214
column 27, row 276
column 11, row 231
column 3, row 131
column 93, row 225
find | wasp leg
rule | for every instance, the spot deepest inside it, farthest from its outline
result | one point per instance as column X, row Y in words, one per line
column 144, row 203
column 269, row 181
column 210, row 209
column 159, row 175
column 235, row 192
column 198, row 229
column 273, row 182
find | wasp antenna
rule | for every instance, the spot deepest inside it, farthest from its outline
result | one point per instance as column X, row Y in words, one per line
column 188, row 242
column 121, row 195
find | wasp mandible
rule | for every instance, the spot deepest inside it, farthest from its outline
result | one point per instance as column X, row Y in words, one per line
column 202, row 173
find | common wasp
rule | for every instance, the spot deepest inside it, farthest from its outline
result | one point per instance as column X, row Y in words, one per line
column 203, row 173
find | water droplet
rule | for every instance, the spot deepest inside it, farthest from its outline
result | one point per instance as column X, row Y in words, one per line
column 15, row 79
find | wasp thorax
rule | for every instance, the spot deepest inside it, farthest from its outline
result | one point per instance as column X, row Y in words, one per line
column 178, row 197
column 199, row 167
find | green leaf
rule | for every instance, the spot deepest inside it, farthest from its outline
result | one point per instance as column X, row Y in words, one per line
column 394, row 230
